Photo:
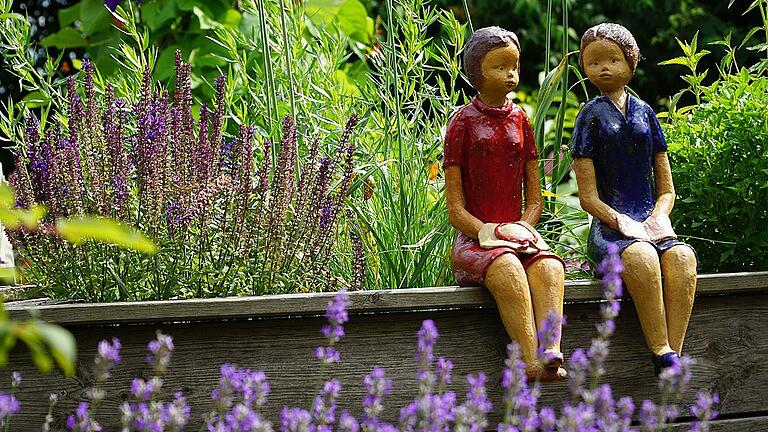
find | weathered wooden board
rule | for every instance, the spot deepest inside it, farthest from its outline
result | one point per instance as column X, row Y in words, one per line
column 315, row 303
column 750, row 424
column 726, row 335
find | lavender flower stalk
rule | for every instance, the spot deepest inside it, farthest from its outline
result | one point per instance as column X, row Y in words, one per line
column 377, row 386
column 704, row 410
column 337, row 316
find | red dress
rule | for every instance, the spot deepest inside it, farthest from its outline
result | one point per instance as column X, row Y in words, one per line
column 492, row 146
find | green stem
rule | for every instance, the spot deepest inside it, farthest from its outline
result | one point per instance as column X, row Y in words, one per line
column 466, row 14
column 269, row 74
column 288, row 59
column 547, row 37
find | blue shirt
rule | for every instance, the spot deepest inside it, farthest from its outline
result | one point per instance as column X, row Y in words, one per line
column 622, row 151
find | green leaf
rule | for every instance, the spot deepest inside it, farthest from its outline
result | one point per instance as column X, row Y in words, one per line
column 206, row 22
column 322, row 12
column 78, row 230
column 155, row 14
column 231, row 18
column 36, row 99
column 62, row 345
column 65, row 38
column 683, row 61
column 353, row 20
column 749, row 36
column 94, row 17
column 69, row 15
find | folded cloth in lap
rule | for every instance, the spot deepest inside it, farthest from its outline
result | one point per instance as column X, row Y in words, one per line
column 520, row 236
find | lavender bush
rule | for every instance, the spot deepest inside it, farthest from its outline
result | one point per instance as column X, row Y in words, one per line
column 241, row 393
column 229, row 216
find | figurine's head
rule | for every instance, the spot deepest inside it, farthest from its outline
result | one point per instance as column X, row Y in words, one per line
column 492, row 60
column 608, row 56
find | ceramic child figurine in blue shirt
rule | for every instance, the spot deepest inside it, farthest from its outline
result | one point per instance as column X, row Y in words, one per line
column 625, row 182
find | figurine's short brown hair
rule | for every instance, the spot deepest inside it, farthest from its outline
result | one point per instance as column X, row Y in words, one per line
column 482, row 42
column 616, row 33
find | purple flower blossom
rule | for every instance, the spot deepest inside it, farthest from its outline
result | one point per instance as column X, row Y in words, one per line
column 145, row 390
column 443, row 369
column 9, row 406
column 579, row 418
column 15, row 379
column 577, row 373
column 377, row 386
column 295, row 420
column 160, row 351
column 704, row 410
column 348, row 423
column 176, row 414
column 611, row 268
column 324, row 407
column 337, row 316
column 107, row 357
column 471, row 416
column 327, row 355
column 548, row 336
column 673, row 381
column 648, row 416
column 548, row 419
column 81, row 420
column 427, row 337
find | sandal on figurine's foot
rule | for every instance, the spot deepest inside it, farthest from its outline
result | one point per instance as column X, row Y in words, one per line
column 546, row 374
column 661, row 362
column 553, row 374
column 554, row 358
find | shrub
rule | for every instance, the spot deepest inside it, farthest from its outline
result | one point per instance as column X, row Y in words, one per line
column 719, row 155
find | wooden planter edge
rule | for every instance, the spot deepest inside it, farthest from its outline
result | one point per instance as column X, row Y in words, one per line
column 287, row 305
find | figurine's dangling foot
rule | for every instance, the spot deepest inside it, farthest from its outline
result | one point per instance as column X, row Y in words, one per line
column 553, row 370
column 661, row 362
column 546, row 374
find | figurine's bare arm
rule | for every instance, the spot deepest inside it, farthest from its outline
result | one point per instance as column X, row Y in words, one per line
column 588, row 197
column 532, row 192
column 665, row 188
column 458, row 215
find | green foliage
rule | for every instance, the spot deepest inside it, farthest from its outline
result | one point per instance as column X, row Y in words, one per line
column 80, row 229
column 169, row 25
column 719, row 155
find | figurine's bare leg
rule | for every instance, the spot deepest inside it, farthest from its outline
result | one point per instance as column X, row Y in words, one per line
column 545, row 278
column 642, row 276
column 506, row 280
column 678, row 265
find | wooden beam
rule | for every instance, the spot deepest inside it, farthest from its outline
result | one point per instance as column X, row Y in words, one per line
column 726, row 336
column 315, row 303
column 748, row 424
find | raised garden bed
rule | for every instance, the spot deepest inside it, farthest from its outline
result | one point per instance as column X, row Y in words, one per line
column 277, row 334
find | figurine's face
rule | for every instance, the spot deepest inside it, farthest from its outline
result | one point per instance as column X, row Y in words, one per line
column 605, row 65
column 500, row 70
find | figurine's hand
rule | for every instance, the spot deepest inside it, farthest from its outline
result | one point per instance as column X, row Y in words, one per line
column 632, row 228
column 659, row 227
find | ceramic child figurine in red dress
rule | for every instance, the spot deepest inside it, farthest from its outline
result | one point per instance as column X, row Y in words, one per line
column 490, row 155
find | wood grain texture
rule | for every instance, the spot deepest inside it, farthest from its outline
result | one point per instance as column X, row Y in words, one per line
column 314, row 303
column 752, row 424
column 726, row 336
